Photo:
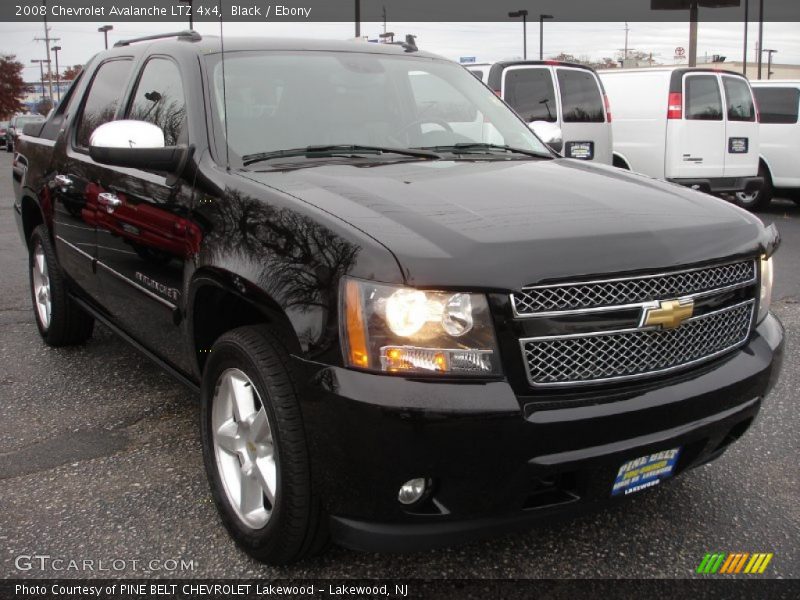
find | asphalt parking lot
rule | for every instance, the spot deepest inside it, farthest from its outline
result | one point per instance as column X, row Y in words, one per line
column 100, row 459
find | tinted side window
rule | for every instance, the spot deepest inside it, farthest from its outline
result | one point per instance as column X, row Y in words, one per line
column 739, row 100
column 778, row 105
column 530, row 92
column 478, row 74
column 159, row 99
column 580, row 96
column 103, row 98
column 703, row 100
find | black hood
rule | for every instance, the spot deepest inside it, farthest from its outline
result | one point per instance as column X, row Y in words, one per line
column 505, row 224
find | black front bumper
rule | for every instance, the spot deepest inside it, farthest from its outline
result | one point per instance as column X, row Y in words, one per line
column 499, row 461
column 723, row 185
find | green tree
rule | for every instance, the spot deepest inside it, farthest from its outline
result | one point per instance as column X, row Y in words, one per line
column 12, row 86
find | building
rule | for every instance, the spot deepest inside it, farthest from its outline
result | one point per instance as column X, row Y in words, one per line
column 36, row 92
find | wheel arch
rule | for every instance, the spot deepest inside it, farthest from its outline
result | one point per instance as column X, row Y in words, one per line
column 762, row 160
column 619, row 161
column 220, row 301
column 32, row 216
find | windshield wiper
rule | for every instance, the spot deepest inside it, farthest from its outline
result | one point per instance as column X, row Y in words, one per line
column 335, row 150
column 483, row 148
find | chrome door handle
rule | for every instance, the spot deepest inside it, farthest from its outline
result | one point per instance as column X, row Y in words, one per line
column 63, row 180
column 109, row 200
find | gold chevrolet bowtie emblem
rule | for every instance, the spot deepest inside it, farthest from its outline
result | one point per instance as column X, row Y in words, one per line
column 668, row 314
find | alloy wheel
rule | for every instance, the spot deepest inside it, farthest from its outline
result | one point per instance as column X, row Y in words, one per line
column 244, row 448
column 41, row 286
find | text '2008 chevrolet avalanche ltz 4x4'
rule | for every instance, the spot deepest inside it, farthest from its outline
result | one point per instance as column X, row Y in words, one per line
column 409, row 322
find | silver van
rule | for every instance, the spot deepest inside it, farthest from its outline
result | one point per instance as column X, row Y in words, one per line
column 567, row 95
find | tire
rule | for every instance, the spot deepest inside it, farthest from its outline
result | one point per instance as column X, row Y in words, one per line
column 62, row 322
column 284, row 521
column 758, row 200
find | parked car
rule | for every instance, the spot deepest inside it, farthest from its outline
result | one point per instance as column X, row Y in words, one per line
column 567, row 95
column 15, row 128
column 3, row 132
column 778, row 103
column 404, row 332
column 696, row 127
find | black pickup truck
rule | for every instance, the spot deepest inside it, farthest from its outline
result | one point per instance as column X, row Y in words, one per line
column 410, row 323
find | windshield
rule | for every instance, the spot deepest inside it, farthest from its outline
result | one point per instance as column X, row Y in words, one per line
column 280, row 101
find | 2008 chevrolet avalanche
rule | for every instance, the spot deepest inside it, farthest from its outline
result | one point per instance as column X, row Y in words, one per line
column 410, row 323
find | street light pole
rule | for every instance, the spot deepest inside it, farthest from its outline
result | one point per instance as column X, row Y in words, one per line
column 41, row 63
column 744, row 47
column 524, row 14
column 769, row 52
column 104, row 30
column 58, row 77
column 358, row 18
column 760, row 33
column 541, row 34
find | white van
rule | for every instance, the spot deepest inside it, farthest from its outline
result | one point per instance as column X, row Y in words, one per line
column 567, row 95
column 697, row 127
column 779, row 104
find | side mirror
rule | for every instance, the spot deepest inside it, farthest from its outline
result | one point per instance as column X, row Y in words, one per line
column 549, row 133
column 136, row 145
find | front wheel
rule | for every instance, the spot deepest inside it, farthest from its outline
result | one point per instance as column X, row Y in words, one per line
column 254, row 448
column 61, row 322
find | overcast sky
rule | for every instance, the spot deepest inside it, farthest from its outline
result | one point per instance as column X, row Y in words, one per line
column 486, row 41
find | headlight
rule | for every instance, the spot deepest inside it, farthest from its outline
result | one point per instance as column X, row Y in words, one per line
column 765, row 297
column 397, row 329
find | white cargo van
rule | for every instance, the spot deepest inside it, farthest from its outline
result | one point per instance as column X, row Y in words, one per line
column 697, row 127
column 567, row 95
column 779, row 104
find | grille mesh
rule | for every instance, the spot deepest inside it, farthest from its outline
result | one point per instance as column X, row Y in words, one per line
column 631, row 291
column 556, row 361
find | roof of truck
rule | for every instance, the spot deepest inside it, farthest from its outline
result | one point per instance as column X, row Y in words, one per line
column 211, row 45
column 668, row 69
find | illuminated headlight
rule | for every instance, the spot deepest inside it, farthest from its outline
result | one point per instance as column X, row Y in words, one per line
column 765, row 298
column 397, row 329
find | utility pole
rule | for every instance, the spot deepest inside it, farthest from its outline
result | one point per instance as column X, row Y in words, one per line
column 693, row 33
column 58, row 77
column 41, row 73
column 625, row 51
column 769, row 52
column 744, row 47
column 104, row 30
column 541, row 34
column 760, row 33
column 358, row 18
column 515, row 14
column 46, row 39
column 384, row 18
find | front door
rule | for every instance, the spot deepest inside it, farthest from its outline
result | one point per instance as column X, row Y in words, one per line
column 74, row 183
column 144, row 236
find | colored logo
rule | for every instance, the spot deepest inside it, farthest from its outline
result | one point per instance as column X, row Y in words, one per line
column 668, row 314
column 730, row 564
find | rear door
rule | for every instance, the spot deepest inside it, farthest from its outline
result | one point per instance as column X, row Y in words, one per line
column 741, row 129
column 531, row 92
column 587, row 134
column 697, row 143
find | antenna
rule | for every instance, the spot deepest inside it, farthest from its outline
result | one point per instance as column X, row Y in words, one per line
column 224, row 90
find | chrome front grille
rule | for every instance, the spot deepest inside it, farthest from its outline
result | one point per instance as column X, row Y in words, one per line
column 615, row 293
column 631, row 353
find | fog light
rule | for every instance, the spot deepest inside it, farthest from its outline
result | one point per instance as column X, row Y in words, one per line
column 412, row 490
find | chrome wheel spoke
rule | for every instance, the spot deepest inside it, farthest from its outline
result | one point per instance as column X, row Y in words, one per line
column 251, row 498
column 41, row 286
column 260, row 428
column 228, row 437
column 243, row 401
